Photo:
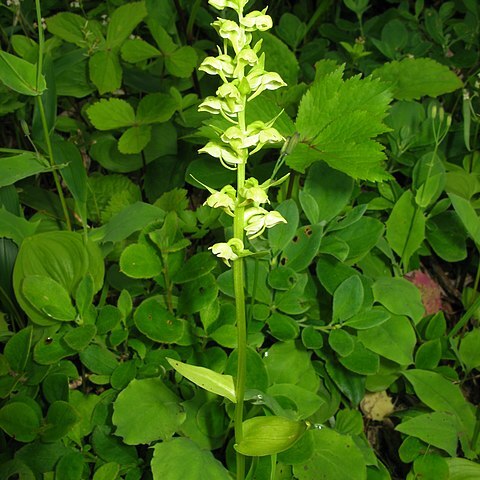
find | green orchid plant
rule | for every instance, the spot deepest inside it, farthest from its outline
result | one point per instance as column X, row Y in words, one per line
column 241, row 67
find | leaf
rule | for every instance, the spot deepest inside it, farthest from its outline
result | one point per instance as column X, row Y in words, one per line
column 147, row 411
column 269, row 435
column 413, row 78
column 61, row 417
column 394, row 339
column 195, row 267
column 14, row 227
column 17, row 349
column 138, row 50
column 400, row 297
column 18, row 167
column 49, row 297
column 156, row 108
column 468, row 216
column 335, row 457
column 20, row 421
column 347, row 299
column 135, row 139
column 123, row 21
column 169, row 462
column 108, row 471
column 99, row 360
column 181, row 62
column 140, row 261
column 105, row 71
column 111, row 114
column 20, row 75
column 463, row 469
column 75, row 29
column 406, row 228
column 469, row 351
column 438, row 429
column 280, row 236
column 207, row 379
column 341, row 342
column 337, row 121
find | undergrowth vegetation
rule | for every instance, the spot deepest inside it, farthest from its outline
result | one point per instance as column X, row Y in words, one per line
column 239, row 243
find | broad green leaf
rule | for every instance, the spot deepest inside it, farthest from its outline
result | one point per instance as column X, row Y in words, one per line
column 439, row 429
column 195, row 267
column 111, row 114
column 335, row 457
column 269, row 435
column 306, row 402
column 80, row 337
column 361, row 360
column 60, row 419
column 105, row 71
column 20, row 75
column 341, row 342
column 156, row 108
column 463, row 469
column 17, row 349
column 49, row 297
column 181, row 62
column 368, row 319
column 123, row 21
column 51, row 349
column 400, row 297
column 394, row 339
column 303, row 247
column 406, row 228
column 283, row 327
column 70, row 466
column 197, row 294
column 75, row 29
column 169, row 462
column 157, row 323
column 347, row 299
column 14, row 227
column 428, row 179
column 431, row 466
column 207, row 379
column 441, row 395
column 135, row 139
column 21, row 166
column 469, row 350
column 413, row 78
column 281, row 235
column 337, row 121
column 130, row 220
column 209, row 171
column 350, row 384
column 146, row 411
column 98, row 359
column 20, row 421
column 468, row 216
column 138, row 50
column 108, row 471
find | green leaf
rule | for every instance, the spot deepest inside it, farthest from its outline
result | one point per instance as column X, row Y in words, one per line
column 138, row 50
column 368, row 319
column 168, row 462
column 400, row 297
column 207, row 379
column 98, row 359
column 197, row 266
column 20, row 420
column 441, row 395
column 413, row 78
column 347, row 299
column 361, row 360
column 394, row 339
column 337, row 121
column 70, row 466
column 17, row 349
column 75, row 29
column 181, row 62
column 280, row 236
column 156, row 108
column 61, row 417
column 123, row 21
column 48, row 296
column 105, row 71
column 406, row 227
column 135, row 139
column 469, row 350
column 269, row 435
column 108, row 471
column 157, row 323
column 111, row 114
column 14, row 227
column 18, row 167
column 468, row 216
column 341, row 342
column 431, row 466
column 439, row 429
column 80, row 337
column 463, row 469
column 302, row 249
column 147, row 411
column 335, row 457
column 197, row 294
column 20, row 75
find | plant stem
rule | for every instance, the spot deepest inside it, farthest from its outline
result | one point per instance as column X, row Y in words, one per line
column 43, row 117
column 238, row 284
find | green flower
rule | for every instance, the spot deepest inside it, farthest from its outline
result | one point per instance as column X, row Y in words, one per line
column 228, row 251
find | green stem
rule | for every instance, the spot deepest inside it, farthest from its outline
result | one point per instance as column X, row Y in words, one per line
column 41, row 109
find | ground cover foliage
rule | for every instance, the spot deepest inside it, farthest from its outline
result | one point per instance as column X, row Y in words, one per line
column 362, row 309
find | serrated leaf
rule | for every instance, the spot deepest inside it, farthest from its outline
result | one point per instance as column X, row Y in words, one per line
column 207, row 379
column 20, row 75
column 138, row 50
column 156, row 108
column 181, row 62
column 75, row 29
column 413, row 78
column 123, row 21
column 135, row 139
column 105, row 71
column 338, row 120
column 111, row 114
